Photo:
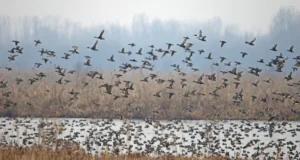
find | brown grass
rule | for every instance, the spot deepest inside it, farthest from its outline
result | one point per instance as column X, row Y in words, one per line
column 35, row 153
column 56, row 102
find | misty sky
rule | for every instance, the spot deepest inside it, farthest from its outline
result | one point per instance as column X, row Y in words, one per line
column 62, row 24
column 249, row 15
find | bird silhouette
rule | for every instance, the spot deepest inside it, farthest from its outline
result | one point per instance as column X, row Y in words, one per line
column 209, row 56
column 251, row 42
column 111, row 58
column 100, row 36
column 37, row 42
column 222, row 43
column 291, row 49
column 274, row 48
column 94, row 48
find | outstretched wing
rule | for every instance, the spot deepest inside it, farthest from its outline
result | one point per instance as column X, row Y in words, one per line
column 101, row 34
column 253, row 40
column 95, row 44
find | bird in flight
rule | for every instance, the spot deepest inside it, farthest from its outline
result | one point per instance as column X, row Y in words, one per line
column 100, row 36
column 274, row 48
column 16, row 42
column 94, row 48
column 37, row 42
column 222, row 43
column 251, row 42
column 291, row 49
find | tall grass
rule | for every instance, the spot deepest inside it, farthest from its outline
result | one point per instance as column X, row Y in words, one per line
column 50, row 99
column 34, row 153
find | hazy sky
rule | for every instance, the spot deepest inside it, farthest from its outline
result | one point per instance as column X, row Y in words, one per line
column 250, row 15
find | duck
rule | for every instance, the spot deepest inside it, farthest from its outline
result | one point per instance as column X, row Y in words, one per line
column 100, row 36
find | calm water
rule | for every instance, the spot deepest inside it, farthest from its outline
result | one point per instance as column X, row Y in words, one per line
column 191, row 138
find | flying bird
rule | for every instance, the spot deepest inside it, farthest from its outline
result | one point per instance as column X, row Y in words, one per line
column 87, row 63
column 16, row 42
column 291, row 49
column 100, row 36
column 37, row 42
column 222, row 43
column 94, row 48
column 139, row 52
column 169, row 45
column 131, row 44
column 122, row 51
column 274, row 48
column 243, row 54
column 111, row 58
column 209, row 56
column 251, row 42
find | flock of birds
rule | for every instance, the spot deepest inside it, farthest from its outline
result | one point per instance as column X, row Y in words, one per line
column 160, row 143
column 242, row 139
column 279, row 62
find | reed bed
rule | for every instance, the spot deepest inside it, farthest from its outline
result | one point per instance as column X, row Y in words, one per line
column 36, row 153
column 50, row 99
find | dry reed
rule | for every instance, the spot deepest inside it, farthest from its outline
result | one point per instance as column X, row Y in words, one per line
column 50, row 99
column 35, row 153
